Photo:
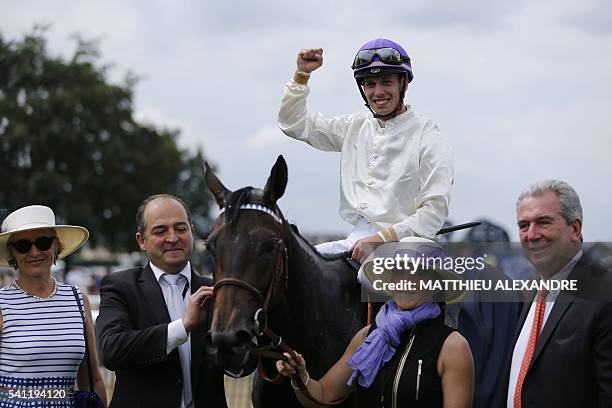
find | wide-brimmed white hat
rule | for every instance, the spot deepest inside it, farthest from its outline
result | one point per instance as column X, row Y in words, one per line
column 34, row 217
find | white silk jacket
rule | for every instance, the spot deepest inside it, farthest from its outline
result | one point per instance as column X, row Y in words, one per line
column 398, row 176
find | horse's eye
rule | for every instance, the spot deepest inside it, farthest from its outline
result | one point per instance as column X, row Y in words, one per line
column 269, row 246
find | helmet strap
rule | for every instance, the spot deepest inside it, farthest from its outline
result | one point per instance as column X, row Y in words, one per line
column 404, row 79
column 364, row 97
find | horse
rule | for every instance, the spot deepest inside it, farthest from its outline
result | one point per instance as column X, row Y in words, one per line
column 268, row 276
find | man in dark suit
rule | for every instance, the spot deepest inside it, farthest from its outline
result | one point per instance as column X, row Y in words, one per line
column 150, row 331
column 562, row 353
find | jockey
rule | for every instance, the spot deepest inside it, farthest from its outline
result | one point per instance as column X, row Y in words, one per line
column 396, row 167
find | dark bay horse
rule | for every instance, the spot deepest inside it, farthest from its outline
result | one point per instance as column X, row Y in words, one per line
column 265, row 273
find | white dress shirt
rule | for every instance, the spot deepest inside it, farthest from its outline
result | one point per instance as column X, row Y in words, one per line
column 177, row 334
column 398, row 176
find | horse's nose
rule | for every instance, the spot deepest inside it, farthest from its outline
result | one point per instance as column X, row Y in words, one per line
column 230, row 342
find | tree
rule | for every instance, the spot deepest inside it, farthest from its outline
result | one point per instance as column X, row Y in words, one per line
column 68, row 139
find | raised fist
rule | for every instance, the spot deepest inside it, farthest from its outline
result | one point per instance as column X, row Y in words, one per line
column 309, row 59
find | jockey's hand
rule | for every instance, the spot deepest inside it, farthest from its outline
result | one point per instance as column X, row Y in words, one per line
column 365, row 246
column 309, row 59
column 292, row 365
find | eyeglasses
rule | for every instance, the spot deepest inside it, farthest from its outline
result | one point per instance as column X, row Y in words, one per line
column 387, row 55
column 23, row 246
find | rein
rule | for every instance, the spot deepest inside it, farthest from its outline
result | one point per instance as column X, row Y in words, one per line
column 268, row 352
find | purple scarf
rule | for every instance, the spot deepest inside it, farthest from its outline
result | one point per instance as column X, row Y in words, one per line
column 379, row 347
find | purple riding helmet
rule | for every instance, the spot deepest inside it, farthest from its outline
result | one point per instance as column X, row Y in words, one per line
column 381, row 57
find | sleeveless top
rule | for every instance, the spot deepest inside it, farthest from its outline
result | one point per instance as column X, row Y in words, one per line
column 41, row 347
column 411, row 377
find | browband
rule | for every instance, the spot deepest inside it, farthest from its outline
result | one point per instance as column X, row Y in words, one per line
column 257, row 207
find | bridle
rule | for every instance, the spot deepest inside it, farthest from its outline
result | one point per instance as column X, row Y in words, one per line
column 278, row 284
column 273, row 295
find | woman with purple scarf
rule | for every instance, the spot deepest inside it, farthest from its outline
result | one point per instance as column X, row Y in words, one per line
column 408, row 357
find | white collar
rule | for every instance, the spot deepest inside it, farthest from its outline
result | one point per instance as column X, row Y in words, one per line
column 404, row 116
column 186, row 272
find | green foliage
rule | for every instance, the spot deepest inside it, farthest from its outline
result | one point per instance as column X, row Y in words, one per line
column 68, row 139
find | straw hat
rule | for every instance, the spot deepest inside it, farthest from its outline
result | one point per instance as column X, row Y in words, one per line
column 34, row 217
column 413, row 248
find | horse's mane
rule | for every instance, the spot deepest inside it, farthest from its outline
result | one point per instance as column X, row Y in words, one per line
column 295, row 230
column 251, row 195
column 353, row 265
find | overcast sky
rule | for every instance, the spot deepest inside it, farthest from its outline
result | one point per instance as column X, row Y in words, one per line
column 521, row 89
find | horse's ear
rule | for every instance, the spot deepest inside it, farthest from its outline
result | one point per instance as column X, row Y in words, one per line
column 275, row 187
column 215, row 186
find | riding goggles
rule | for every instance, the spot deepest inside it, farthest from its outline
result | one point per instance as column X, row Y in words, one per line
column 23, row 246
column 387, row 55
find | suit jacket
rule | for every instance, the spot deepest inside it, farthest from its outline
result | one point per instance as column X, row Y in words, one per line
column 132, row 332
column 572, row 363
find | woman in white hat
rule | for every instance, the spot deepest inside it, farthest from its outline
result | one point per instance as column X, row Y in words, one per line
column 409, row 357
column 42, row 342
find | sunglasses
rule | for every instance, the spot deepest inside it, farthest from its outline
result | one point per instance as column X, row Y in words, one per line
column 387, row 55
column 23, row 246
